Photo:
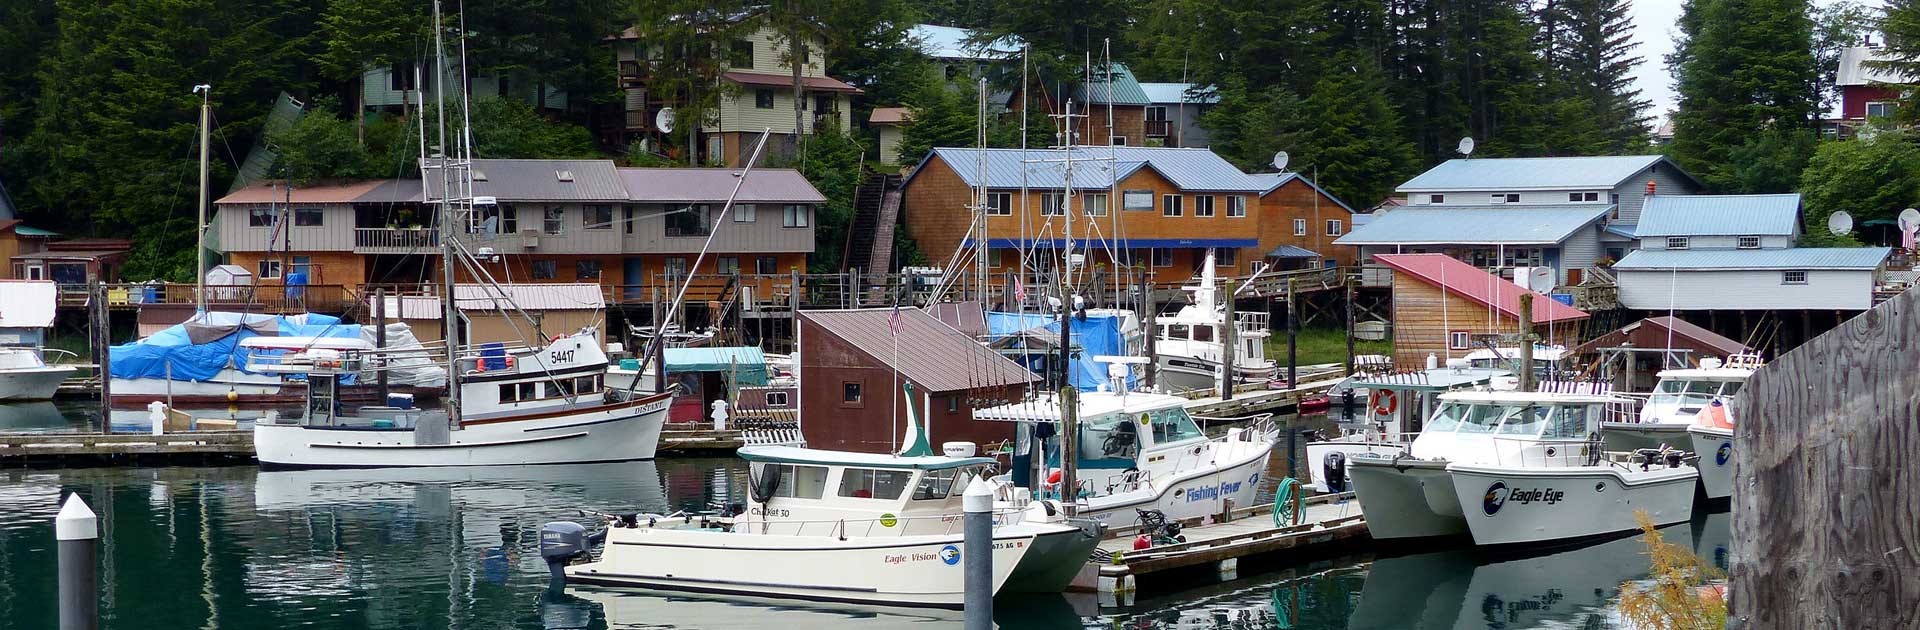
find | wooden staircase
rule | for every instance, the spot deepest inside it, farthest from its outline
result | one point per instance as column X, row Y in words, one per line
column 876, row 212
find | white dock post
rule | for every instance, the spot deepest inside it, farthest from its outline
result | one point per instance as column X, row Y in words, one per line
column 977, row 538
column 78, row 531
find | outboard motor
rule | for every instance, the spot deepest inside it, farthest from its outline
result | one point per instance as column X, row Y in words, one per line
column 1334, row 472
column 560, row 543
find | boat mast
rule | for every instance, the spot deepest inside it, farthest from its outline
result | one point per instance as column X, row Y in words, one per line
column 449, row 314
column 200, row 226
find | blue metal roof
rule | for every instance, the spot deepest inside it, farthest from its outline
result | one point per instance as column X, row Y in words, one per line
column 1269, row 182
column 1084, row 243
column 1158, row 93
column 1719, row 215
column 1628, row 230
column 1289, row 251
column 746, row 364
column 1736, row 259
column 1192, row 170
column 1491, row 225
column 1605, row 171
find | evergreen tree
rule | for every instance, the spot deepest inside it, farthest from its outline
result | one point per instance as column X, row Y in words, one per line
column 1063, row 32
column 1350, row 134
column 1590, row 47
column 1873, row 177
column 361, row 34
column 1744, row 67
column 26, row 28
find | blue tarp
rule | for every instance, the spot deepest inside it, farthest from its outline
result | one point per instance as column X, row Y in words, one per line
column 150, row 357
column 1097, row 335
column 746, row 364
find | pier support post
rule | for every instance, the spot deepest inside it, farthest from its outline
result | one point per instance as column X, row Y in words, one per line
column 101, row 340
column 977, row 539
column 78, row 531
column 1229, row 344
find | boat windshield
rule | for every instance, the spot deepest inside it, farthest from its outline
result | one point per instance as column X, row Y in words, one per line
column 790, row 481
column 1527, row 421
column 937, row 485
column 1468, row 417
column 1683, row 392
column 1173, row 425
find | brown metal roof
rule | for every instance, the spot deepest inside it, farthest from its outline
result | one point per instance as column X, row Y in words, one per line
column 1652, row 332
column 769, row 185
column 966, row 317
column 531, row 297
column 890, row 115
column 765, row 79
column 539, row 180
column 932, row 355
column 275, row 191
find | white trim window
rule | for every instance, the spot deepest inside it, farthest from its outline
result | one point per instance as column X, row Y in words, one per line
column 1052, row 204
column 1236, row 206
column 1797, row 276
column 1170, row 206
column 1506, row 197
column 1095, row 204
column 999, row 204
column 1459, row 340
column 1335, row 227
column 1677, row 242
column 1299, row 227
column 1436, row 198
column 1583, row 197
column 269, row 269
column 1879, row 109
column 1749, row 242
column 1203, row 205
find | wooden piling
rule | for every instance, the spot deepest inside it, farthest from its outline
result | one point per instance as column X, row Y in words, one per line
column 1229, row 345
column 101, row 336
column 1350, row 285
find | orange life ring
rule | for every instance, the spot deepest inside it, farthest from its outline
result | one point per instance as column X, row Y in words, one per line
column 1384, row 402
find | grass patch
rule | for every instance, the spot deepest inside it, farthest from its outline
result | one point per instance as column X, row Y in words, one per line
column 1322, row 345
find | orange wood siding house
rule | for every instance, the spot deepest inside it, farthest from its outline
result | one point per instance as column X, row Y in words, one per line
column 1440, row 303
column 1160, row 206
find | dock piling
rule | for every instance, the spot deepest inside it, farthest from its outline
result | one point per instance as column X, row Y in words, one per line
column 977, row 539
column 77, row 529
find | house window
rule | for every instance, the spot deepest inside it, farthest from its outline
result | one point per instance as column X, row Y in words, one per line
column 551, row 221
column 504, row 221
column 1299, row 227
column 1793, row 277
column 1676, row 242
column 1614, row 198
column 269, row 269
column 953, row 404
column 626, row 219
column 1203, row 205
column 1170, row 206
column 1436, row 198
column 777, row 399
column 1226, row 257
column 309, row 217
column 1583, row 197
column 1119, row 141
column 850, row 393
column 688, row 221
column 1094, row 204
column 597, row 217
column 1506, row 197
column 745, row 213
column 727, row 265
column 1236, row 206
column 766, row 265
column 676, row 267
column 587, row 269
column 763, row 98
column 1879, row 109
column 1749, row 242
column 1136, row 200
column 795, row 216
column 741, row 54
column 824, row 103
column 1050, row 205
column 1333, row 227
column 260, row 217
column 545, row 269
column 1162, row 257
column 1459, row 340
column 999, row 204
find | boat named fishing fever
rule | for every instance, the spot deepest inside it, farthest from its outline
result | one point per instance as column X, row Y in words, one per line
column 543, row 405
column 833, row 526
column 1520, row 467
column 1678, row 399
column 1391, row 406
column 1190, row 346
column 1139, row 451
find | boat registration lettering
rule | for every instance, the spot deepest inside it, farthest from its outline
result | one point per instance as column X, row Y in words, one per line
column 561, row 356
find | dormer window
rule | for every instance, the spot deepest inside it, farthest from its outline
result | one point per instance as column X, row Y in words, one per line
column 1436, row 198
column 1749, row 242
column 1582, row 197
column 1676, row 242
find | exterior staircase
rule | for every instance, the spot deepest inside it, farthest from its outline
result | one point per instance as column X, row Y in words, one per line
column 876, row 212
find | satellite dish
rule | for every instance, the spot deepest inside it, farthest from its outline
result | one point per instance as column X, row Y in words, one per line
column 1840, row 223
column 664, row 120
column 1466, row 146
column 1909, row 219
column 1280, row 161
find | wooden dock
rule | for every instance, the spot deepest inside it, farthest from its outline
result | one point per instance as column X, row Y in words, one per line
column 222, row 447
column 1249, row 402
column 1327, row 522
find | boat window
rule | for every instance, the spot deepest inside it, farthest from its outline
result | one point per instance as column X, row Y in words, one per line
column 1203, row 333
column 1570, row 423
column 1107, row 437
column 1703, row 387
column 559, row 388
column 1670, row 387
column 1528, row 420
column 935, row 485
column 1447, row 418
column 1731, row 388
column 1482, row 418
column 509, row 393
column 1177, row 331
column 866, row 483
column 529, row 391
column 1173, row 425
column 586, row 384
column 801, row 482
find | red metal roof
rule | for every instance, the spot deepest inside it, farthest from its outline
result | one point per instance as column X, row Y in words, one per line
column 817, row 84
column 1471, row 283
column 890, row 115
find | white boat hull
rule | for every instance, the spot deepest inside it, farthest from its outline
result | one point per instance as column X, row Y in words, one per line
column 32, row 383
column 1629, row 436
column 1512, row 505
column 1317, row 453
column 1715, row 448
column 914, row 571
column 1195, row 493
column 601, row 433
column 1180, row 373
column 1406, row 498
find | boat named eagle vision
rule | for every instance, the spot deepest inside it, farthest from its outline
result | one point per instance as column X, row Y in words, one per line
column 1519, row 467
column 1141, row 451
column 833, row 526
column 1679, row 397
column 532, row 406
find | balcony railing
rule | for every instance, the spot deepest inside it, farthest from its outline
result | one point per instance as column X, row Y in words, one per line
column 395, row 239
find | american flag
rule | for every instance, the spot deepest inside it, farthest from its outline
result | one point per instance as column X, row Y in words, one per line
column 893, row 320
column 1019, row 290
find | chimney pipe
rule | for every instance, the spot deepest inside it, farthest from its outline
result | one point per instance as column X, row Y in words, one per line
column 1650, row 187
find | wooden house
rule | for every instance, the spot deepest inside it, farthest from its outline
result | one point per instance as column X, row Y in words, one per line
column 848, row 368
column 1440, row 304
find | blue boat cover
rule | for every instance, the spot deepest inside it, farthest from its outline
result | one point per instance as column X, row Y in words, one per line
column 1097, row 335
column 746, row 364
column 150, row 357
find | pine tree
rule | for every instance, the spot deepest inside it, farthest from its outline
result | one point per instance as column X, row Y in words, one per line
column 1591, row 46
column 1349, row 131
column 1744, row 68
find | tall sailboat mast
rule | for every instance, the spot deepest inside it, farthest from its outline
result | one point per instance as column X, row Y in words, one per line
column 449, row 314
column 200, row 224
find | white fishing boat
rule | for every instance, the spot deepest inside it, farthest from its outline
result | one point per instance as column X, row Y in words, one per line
column 1520, row 467
column 1190, row 347
column 1139, row 451
column 1390, row 415
column 1712, row 438
column 25, row 374
column 836, row 526
column 1547, row 359
column 1678, row 399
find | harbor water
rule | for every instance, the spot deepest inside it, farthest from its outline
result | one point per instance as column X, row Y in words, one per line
column 236, row 547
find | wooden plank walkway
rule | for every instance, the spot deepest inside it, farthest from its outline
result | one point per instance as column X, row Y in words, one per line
column 1328, row 520
column 63, row 448
column 1260, row 401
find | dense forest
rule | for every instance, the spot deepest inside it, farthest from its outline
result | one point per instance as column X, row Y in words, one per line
column 97, row 116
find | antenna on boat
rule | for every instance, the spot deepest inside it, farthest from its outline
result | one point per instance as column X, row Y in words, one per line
column 200, row 228
column 450, row 315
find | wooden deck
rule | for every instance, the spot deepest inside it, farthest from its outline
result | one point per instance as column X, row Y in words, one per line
column 1257, row 401
column 77, row 448
column 1248, row 532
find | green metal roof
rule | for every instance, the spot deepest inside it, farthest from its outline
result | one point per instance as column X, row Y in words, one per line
column 1113, row 85
column 33, row 231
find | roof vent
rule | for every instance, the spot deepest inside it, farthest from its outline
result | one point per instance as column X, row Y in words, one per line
column 563, row 175
column 479, row 175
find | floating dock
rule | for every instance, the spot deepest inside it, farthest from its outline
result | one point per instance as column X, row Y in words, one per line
column 1326, row 523
column 236, row 446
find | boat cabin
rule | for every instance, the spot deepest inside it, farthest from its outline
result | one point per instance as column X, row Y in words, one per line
column 1393, row 405
column 803, row 491
column 1683, row 393
column 1199, row 336
column 1546, row 360
column 1124, row 438
column 1517, row 428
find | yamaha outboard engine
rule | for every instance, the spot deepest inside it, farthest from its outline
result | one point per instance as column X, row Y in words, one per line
column 560, row 543
column 1334, row 472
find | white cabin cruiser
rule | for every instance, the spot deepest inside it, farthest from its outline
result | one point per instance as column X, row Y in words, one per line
column 1190, row 346
column 1546, row 359
column 25, row 374
column 529, row 406
column 1141, row 451
column 1519, row 467
column 834, row 526
column 1679, row 397
column 1389, row 417
column 1712, row 437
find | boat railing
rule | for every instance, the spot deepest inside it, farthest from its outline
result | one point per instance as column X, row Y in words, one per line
column 1128, row 481
column 844, row 528
column 1544, row 453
